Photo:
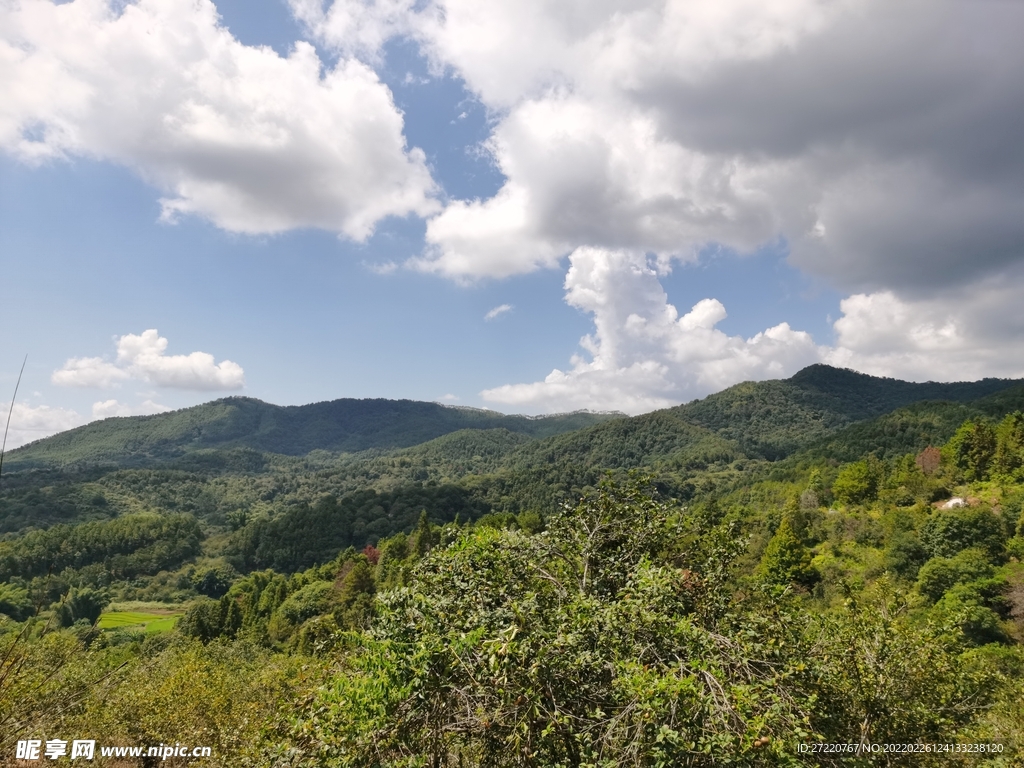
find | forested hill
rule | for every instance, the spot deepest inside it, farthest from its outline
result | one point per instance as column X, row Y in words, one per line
column 345, row 425
column 767, row 419
column 819, row 549
column 772, row 419
column 763, row 420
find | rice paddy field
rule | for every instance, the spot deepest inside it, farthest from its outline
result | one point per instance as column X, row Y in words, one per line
column 150, row 621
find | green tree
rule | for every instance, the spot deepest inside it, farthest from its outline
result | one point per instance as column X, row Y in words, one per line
column 354, row 607
column 905, row 554
column 888, row 678
column 857, row 482
column 82, row 603
column 15, row 602
column 971, row 449
column 425, row 537
column 786, row 560
column 948, row 531
column 1009, row 454
column 609, row 639
column 970, row 607
column 941, row 574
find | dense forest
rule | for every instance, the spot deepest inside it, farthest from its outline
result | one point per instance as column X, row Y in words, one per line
column 829, row 559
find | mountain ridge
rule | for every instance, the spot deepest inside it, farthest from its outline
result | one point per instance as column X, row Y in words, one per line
column 345, row 425
column 766, row 420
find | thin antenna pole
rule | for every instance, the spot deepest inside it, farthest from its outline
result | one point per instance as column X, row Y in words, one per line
column 10, row 412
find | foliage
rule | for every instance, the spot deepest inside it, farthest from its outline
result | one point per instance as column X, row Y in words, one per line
column 949, row 531
column 971, row 608
column 126, row 546
column 305, row 535
column 812, row 589
column 1009, row 454
column 15, row 602
column 226, row 697
column 888, row 679
column 46, row 678
column 971, row 449
column 82, row 604
column 786, row 560
column 941, row 574
column 857, row 482
column 605, row 640
column 905, row 554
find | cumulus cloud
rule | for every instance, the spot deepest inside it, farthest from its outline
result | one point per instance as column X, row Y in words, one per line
column 954, row 335
column 878, row 139
column 89, row 372
column 29, row 423
column 498, row 311
column 643, row 355
column 105, row 409
column 252, row 141
column 144, row 357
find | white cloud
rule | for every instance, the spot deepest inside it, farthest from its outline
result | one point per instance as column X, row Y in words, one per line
column 89, row 372
column 642, row 354
column 497, row 311
column 356, row 28
column 143, row 357
column 581, row 175
column 954, row 335
column 108, row 408
column 449, row 398
column 29, row 423
column 252, row 141
column 382, row 267
column 878, row 139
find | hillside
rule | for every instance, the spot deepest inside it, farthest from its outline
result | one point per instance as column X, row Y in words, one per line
column 342, row 426
column 241, row 459
column 912, row 428
column 368, row 592
column 765, row 420
column 772, row 419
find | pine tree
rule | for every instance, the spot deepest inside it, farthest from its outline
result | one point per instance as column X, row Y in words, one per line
column 786, row 560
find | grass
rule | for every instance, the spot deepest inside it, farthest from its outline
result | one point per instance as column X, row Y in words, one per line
column 150, row 623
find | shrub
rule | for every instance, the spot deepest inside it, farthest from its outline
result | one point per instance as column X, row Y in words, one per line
column 940, row 574
column 856, row 483
column 949, row 531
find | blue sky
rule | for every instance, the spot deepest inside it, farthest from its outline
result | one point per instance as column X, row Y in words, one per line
column 587, row 171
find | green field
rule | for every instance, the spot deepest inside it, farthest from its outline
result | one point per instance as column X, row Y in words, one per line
column 149, row 623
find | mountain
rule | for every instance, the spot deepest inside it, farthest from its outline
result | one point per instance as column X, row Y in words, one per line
column 343, row 426
column 912, row 428
column 765, row 420
column 772, row 419
column 237, row 455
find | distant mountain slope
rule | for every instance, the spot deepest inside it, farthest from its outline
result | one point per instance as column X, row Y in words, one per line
column 640, row 441
column 239, row 422
column 822, row 410
column 771, row 419
column 913, row 428
column 241, row 456
column 768, row 420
